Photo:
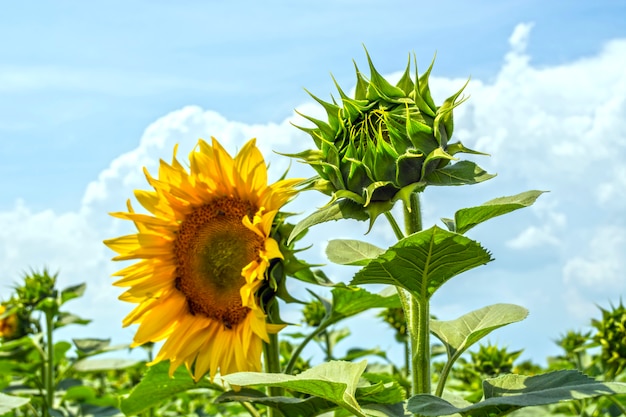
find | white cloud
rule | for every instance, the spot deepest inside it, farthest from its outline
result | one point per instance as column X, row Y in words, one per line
column 600, row 268
column 559, row 128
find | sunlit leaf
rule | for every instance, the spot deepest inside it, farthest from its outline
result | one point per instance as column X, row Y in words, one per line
column 9, row 402
column 467, row 218
column 91, row 365
column 459, row 334
column 334, row 381
column 156, row 386
column 424, row 261
column 351, row 252
column 507, row 393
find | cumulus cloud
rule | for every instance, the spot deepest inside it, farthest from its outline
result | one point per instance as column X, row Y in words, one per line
column 559, row 128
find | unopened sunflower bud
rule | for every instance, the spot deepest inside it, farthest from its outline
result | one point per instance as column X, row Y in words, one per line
column 385, row 143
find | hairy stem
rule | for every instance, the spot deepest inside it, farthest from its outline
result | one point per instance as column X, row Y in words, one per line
column 418, row 318
column 49, row 375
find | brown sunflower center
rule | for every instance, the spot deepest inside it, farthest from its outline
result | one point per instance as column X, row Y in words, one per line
column 211, row 249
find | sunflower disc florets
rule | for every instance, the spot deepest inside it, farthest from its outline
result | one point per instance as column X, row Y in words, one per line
column 385, row 143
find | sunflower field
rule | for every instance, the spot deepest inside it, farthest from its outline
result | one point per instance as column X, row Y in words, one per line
column 214, row 255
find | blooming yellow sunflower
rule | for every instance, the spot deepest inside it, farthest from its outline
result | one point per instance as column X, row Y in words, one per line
column 202, row 254
column 8, row 324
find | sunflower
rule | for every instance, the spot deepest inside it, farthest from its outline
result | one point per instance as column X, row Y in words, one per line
column 202, row 254
column 8, row 324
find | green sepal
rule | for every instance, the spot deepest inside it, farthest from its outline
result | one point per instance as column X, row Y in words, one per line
column 437, row 154
column 458, row 147
column 379, row 87
column 405, row 83
column 342, row 209
column 444, row 113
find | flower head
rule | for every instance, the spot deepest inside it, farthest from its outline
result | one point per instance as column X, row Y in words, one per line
column 387, row 142
column 9, row 324
column 202, row 254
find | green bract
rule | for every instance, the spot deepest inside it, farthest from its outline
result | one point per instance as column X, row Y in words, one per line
column 387, row 142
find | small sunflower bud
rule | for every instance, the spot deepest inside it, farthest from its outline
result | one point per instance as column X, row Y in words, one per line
column 314, row 312
column 611, row 336
column 385, row 143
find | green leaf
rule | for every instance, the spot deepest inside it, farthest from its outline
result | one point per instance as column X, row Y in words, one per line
column 385, row 389
column 9, row 402
column 424, row 261
column 65, row 318
column 351, row 252
column 342, row 209
column 72, row 292
column 91, row 365
column 334, row 381
column 467, row 218
column 460, row 173
column 289, row 406
column 157, row 386
column 507, row 393
column 350, row 301
column 87, row 346
column 459, row 334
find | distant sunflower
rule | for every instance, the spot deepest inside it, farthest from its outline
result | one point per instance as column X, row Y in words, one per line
column 203, row 254
column 8, row 324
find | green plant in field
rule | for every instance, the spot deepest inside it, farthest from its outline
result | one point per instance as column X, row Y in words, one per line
column 215, row 261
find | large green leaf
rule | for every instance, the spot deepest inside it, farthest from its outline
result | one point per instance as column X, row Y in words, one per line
column 467, row 218
column 507, row 393
column 381, row 398
column 424, row 261
column 9, row 402
column 289, row 406
column 334, row 381
column 156, row 386
column 341, row 209
column 460, row 173
column 351, row 252
column 459, row 334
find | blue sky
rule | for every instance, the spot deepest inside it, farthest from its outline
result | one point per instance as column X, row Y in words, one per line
column 90, row 92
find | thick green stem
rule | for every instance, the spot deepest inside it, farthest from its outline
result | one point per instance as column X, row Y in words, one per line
column 49, row 375
column 418, row 319
column 420, row 346
column 413, row 215
column 271, row 353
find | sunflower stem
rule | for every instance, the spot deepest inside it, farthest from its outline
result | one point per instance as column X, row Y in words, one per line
column 272, row 362
column 250, row 409
column 49, row 374
column 419, row 314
